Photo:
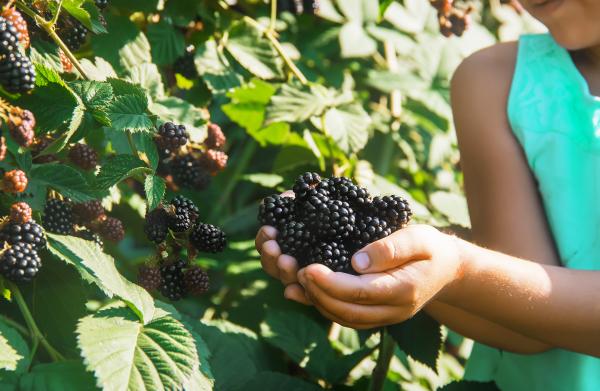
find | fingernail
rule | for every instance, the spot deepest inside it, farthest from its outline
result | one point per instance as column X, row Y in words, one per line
column 362, row 261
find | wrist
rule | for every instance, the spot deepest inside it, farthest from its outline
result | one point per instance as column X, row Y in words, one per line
column 462, row 259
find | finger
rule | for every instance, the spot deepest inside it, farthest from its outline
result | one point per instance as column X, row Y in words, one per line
column 295, row 292
column 288, row 193
column 288, row 269
column 265, row 233
column 268, row 259
column 405, row 245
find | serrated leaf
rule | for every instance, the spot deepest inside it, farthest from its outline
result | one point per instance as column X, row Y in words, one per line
column 9, row 377
column 8, row 355
column 420, row 338
column 124, row 87
column 98, row 70
column 86, row 12
column 148, row 77
column 96, row 97
column 215, row 69
column 253, row 52
column 128, row 113
column 355, row 42
column 348, row 126
column 99, row 268
column 273, row 381
column 177, row 110
column 454, row 206
column 155, row 190
column 64, row 376
column 248, row 103
column 66, row 180
column 124, row 354
column 149, row 148
column 294, row 103
column 118, row 168
column 166, row 42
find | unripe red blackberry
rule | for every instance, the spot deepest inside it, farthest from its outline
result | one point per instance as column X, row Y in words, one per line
column 9, row 37
column 156, row 225
column 3, row 148
column 111, row 229
column 208, row 238
column 188, row 172
column 38, row 146
column 17, row 74
column 65, row 62
column 21, row 123
column 215, row 138
column 185, row 65
column 196, row 280
column 172, row 137
column 86, row 212
column 20, row 213
column 16, row 19
column 173, row 286
column 58, row 217
column 30, row 233
column 20, row 263
column 83, row 156
column 276, row 211
column 214, row 161
column 149, row 277
column 14, row 181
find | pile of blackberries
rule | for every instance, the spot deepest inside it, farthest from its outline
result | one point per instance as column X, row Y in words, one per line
column 17, row 74
column 328, row 220
column 173, row 227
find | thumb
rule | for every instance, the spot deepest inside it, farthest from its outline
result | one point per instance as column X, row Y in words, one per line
column 405, row 245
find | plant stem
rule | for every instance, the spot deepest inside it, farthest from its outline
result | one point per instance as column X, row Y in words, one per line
column 56, row 15
column 35, row 332
column 15, row 325
column 273, row 15
column 131, row 142
column 386, row 352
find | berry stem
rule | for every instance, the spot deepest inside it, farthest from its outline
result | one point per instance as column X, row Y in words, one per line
column 15, row 325
column 56, row 15
column 132, row 144
column 35, row 332
column 273, row 15
column 384, row 358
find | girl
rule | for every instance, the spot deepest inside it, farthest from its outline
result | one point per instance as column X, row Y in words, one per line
column 528, row 121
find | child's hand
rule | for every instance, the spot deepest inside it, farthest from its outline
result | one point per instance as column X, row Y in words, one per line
column 401, row 274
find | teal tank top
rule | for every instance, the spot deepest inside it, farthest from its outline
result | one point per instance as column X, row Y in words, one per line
column 557, row 122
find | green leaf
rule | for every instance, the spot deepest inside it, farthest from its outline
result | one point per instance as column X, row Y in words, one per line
column 66, row 180
column 273, row 381
column 64, row 376
column 253, row 52
column 149, row 148
column 266, row 180
column 294, row 103
column 465, row 385
column 99, row 268
column 166, row 43
column 177, row 110
column 86, row 12
column 96, row 97
column 420, row 338
column 386, row 81
column 8, row 355
column 148, row 77
column 98, row 70
column 215, row 69
column 124, row 354
column 348, row 126
column 248, row 103
column 17, row 349
column 124, row 87
column 355, row 42
column 452, row 205
column 118, row 168
column 155, row 190
column 128, row 113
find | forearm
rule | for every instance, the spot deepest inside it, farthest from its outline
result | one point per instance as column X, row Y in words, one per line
column 555, row 305
column 483, row 330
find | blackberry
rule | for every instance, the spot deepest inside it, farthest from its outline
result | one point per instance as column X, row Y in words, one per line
column 83, row 156
column 88, row 235
column 216, row 138
column 38, row 146
column 214, row 161
column 182, row 203
column 172, row 286
column 304, row 183
column 344, row 189
column 276, row 211
column 30, row 233
column 185, row 65
column 180, row 221
column 74, row 33
column 393, row 209
column 314, row 200
column 295, row 240
column 172, row 137
column 370, row 229
column 16, row 19
column 20, row 263
column 208, row 238
column 20, row 213
column 101, row 4
column 16, row 73
column 196, row 280
column 334, row 255
column 65, row 62
column 14, row 181
column 111, row 229
column 9, row 37
column 155, row 225
column 86, row 212
column 459, row 23
column 335, row 219
column 149, row 277
column 21, row 123
column 188, row 173
column 58, row 217
column 3, row 148
column 311, row 6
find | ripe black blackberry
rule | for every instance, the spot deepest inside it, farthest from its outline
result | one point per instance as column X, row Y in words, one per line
column 30, row 233
column 370, row 229
column 20, row 263
column 304, row 183
column 101, row 4
column 74, row 33
column 9, row 37
column 208, row 238
column 334, row 255
column 172, row 286
column 180, row 221
column 155, row 225
column 185, row 65
column 188, row 173
column 344, row 189
column 182, row 203
column 58, row 217
column 38, row 146
column 20, row 213
column 149, row 277
column 295, row 239
column 83, row 156
column 86, row 234
column 17, row 74
column 16, row 19
column 276, row 211
column 86, row 212
column 393, row 209
column 215, row 138
column 335, row 219
column 196, row 280
column 172, row 137
column 111, row 229
column 20, row 124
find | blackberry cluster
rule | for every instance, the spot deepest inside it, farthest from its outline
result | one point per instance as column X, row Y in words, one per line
column 21, row 124
column 452, row 21
column 16, row 73
column 185, row 65
column 58, row 216
column 16, row 19
column 83, row 156
column 328, row 220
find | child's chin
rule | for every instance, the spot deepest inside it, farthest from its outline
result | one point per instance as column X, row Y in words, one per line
column 572, row 40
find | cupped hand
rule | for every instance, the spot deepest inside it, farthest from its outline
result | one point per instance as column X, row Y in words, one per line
column 399, row 276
